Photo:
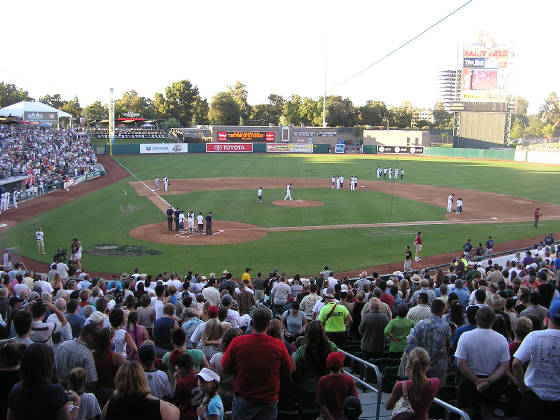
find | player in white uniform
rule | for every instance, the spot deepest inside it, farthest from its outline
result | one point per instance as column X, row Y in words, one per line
column 449, row 203
column 341, row 181
column 390, row 173
column 384, row 172
column 3, row 202
column 14, row 198
column 332, row 182
column 156, row 183
column 259, row 195
column 396, row 173
column 200, row 222
column 190, row 221
column 378, row 172
column 182, row 221
column 337, row 182
column 288, row 192
column 352, row 183
column 165, row 183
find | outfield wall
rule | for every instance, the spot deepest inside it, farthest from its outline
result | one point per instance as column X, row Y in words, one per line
column 470, row 153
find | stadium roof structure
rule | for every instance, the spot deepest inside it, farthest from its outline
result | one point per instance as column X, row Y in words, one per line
column 24, row 109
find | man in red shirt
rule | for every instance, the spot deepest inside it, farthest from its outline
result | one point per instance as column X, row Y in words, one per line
column 537, row 216
column 256, row 361
column 418, row 246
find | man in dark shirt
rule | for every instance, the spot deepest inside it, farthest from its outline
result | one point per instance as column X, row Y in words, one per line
column 549, row 240
column 177, row 213
column 467, row 248
column 169, row 213
column 209, row 223
column 489, row 246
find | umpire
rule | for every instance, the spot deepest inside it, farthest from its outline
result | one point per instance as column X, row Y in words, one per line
column 170, row 218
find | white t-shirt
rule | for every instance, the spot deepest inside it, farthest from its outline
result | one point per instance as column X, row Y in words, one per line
column 259, row 192
column 158, row 383
column 158, row 307
column 39, row 235
column 543, row 372
column 89, row 406
column 483, row 349
column 281, row 291
column 199, row 219
column 288, row 189
column 62, row 270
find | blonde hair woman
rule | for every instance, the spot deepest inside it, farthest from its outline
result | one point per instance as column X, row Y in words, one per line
column 421, row 390
column 211, row 338
column 132, row 398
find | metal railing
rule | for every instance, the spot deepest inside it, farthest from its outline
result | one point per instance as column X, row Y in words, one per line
column 367, row 365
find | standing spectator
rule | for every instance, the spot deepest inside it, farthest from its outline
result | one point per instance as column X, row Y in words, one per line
column 42, row 332
column 245, row 299
column 489, row 246
column 76, row 353
column 211, row 407
column 138, row 333
column 162, row 330
column 279, row 295
column 89, row 406
column 535, row 309
column 185, row 394
column 461, row 293
column 146, row 312
column 308, row 302
column 333, row 388
column 311, row 359
column 35, row 396
column 256, row 360
column 132, row 399
column 157, row 380
column 107, row 363
column 424, row 288
column 541, row 383
column 421, row 310
column 433, row 335
column 226, row 380
column 294, row 322
column 260, row 285
column 483, row 359
column 371, row 328
column 10, row 359
column 334, row 316
column 420, row 388
column 398, row 329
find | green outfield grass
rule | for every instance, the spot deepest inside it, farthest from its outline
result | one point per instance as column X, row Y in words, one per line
column 106, row 216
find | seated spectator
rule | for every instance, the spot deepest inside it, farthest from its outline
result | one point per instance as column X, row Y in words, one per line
column 421, row 390
column 132, row 399
column 333, row 388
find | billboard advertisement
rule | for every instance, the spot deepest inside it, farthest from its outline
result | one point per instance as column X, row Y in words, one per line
column 289, row 148
column 40, row 117
column 413, row 150
column 229, row 147
column 249, row 136
column 339, row 148
column 486, row 70
column 164, row 148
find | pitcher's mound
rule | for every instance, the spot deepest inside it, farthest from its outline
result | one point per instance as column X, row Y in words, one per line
column 297, row 203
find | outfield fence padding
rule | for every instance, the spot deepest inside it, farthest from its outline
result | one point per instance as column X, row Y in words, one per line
column 470, row 153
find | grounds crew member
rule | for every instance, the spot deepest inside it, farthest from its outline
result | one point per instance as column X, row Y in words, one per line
column 333, row 316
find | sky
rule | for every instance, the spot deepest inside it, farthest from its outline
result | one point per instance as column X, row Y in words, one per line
column 86, row 47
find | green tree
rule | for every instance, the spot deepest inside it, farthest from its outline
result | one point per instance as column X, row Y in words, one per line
column 200, row 113
column 549, row 112
column 171, row 123
column 401, row 117
column 534, row 129
column 443, row 120
column 132, row 102
column 517, row 130
column 520, row 115
column 159, row 105
column 224, row 110
column 55, row 100
column 11, row 94
column 341, row 112
column 180, row 99
column 291, row 112
column 96, row 111
column 72, row 107
column 311, row 112
column 373, row 113
column 239, row 94
column 549, row 131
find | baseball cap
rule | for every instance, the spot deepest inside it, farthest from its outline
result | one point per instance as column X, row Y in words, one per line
column 146, row 353
column 213, row 311
column 225, row 272
column 554, row 311
column 344, row 288
column 335, row 360
column 352, row 407
column 208, row 375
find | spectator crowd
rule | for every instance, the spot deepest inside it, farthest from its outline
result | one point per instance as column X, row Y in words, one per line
column 46, row 155
column 145, row 346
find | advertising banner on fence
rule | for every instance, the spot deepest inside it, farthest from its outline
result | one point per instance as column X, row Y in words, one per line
column 250, row 136
column 164, row 148
column 339, row 148
column 289, row 148
column 413, row 150
column 229, row 147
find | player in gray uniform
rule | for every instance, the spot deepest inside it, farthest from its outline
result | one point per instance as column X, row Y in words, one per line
column 156, row 183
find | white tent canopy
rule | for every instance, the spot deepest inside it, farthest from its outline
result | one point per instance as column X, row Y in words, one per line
column 25, row 110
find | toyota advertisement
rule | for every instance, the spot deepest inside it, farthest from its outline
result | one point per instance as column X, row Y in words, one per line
column 229, row 147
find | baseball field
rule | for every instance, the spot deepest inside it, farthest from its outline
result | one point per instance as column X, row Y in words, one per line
column 123, row 225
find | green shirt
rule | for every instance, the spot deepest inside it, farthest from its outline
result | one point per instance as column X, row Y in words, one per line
column 197, row 356
column 335, row 323
column 307, row 375
column 400, row 328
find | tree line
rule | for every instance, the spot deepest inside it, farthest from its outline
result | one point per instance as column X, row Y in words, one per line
column 181, row 105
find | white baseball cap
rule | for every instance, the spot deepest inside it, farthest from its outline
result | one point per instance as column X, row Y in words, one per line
column 208, row 375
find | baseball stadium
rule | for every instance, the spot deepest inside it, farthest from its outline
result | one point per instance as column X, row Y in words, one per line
column 369, row 232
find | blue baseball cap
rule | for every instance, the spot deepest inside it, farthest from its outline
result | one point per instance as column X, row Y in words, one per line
column 554, row 311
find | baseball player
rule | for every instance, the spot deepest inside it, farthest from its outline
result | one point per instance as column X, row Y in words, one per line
column 384, row 172
column 182, row 221
column 288, row 192
column 396, row 173
column 378, row 172
column 165, row 183
column 352, row 183
column 390, row 173
column 355, row 182
column 3, row 202
column 449, row 203
column 259, row 195
column 341, row 181
column 402, row 173
column 459, row 205
column 200, row 222
column 338, row 182
column 156, row 183
column 14, row 198
column 190, row 221
column 332, row 182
